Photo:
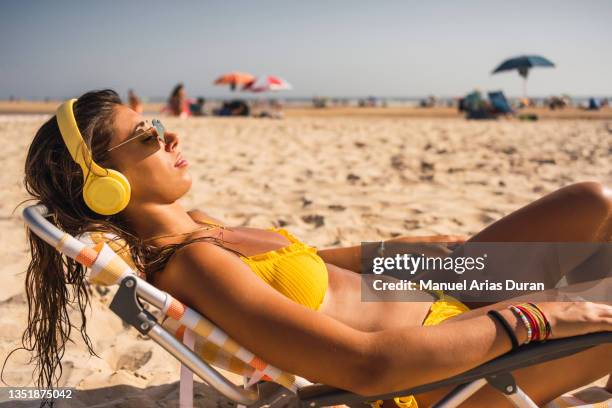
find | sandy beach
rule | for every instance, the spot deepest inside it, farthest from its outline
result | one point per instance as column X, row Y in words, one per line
column 306, row 110
column 331, row 179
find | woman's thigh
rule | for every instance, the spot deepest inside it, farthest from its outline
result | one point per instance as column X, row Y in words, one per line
column 579, row 212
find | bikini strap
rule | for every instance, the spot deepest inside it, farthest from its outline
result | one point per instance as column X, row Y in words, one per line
column 187, row 233
column 210, row 223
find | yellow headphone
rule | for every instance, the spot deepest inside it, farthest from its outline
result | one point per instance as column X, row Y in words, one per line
column 106, row 191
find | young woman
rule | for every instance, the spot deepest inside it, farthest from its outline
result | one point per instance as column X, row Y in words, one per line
column 178, row 104
column 294, row 297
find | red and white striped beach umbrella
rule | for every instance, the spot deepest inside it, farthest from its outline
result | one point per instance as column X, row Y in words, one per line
column 267, row 83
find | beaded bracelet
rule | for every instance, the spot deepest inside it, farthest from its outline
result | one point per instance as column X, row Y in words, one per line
column 522, row 316
column 533, row 323
column 538, row 326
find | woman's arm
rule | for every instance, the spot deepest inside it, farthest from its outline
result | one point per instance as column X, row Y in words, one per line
column 350, row 257
column 343, row 257
column 316, row 346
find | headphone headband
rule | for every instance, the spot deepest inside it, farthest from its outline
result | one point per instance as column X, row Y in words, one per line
column 74, row 140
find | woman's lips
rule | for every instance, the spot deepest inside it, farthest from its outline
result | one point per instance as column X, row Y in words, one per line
column 181, row 163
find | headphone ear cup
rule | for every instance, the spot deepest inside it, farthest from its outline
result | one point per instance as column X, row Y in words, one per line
column 107, row 195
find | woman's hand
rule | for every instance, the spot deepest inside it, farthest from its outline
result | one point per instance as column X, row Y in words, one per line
column 569, row 319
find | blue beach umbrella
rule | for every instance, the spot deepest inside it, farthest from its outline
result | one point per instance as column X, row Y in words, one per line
column 522, row 64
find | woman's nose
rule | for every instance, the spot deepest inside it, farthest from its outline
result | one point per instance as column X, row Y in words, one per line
column 172, row 140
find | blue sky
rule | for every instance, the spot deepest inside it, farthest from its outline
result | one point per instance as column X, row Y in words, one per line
column 335, row 48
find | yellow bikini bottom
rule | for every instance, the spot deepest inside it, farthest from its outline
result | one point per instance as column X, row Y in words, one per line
column 444, row 308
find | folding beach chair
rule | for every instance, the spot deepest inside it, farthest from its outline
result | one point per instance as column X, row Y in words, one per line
column 499, row 103
column 196, row 342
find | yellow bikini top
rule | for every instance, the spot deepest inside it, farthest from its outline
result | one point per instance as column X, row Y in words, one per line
column 295, row 270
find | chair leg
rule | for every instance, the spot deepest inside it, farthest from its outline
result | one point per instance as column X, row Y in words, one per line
column 521, row 400
column 505, row 384
column 186, row 381
column 459, row 394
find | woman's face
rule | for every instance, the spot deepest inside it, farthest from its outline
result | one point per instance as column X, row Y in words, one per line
column 149, row 165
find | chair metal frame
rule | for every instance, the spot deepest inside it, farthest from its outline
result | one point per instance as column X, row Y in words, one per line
column 126, row 304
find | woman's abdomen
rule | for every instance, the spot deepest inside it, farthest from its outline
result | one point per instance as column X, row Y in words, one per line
column 343, row 301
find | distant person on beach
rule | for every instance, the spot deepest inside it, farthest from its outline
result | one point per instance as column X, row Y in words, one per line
column 473, row 102
column 428, row 102
column 237, row 107
column 134, row 101
column 274, row 110
column 593, row 104
column 197, row 108
column 556, row 102
column 178, row 105
column 319, row 102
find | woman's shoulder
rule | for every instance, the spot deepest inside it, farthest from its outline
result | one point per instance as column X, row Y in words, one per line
column 190, row 263
column 199, row 253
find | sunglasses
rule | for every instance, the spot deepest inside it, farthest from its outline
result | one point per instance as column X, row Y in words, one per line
column 151, row 136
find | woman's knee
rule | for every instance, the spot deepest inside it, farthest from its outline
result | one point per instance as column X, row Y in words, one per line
column 591, row 196
column 575, row 213
column 594, row 200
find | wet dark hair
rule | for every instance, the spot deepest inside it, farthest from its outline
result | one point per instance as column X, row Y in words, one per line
column 53, row 281
column 176, row 90
column 174, row 102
